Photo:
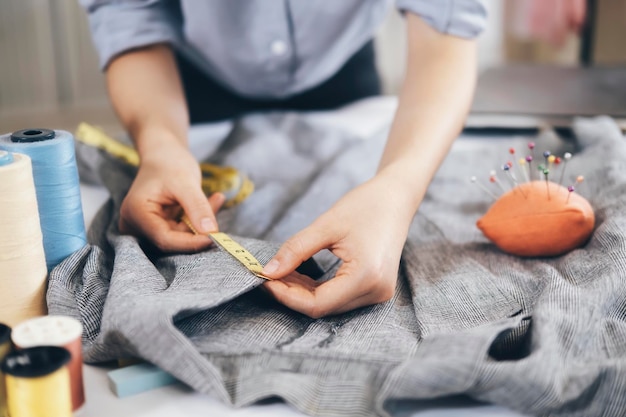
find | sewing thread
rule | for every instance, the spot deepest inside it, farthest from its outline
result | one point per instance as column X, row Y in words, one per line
column 22, row 260
column 37, row 382
column 59, row 331
column 58, row 192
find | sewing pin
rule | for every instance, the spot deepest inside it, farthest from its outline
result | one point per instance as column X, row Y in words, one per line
column 521, row 163
column 515, row 168
column 551, row 160
column 546, row 172
column 531, row 146
column 510, row 170
column 507, row 169
column 541, row 169
column 566, row 157
column 546, row 156
column 529, row 159
column 571, row 190
column 579, row 180
column 493, row 179
column 473, row 179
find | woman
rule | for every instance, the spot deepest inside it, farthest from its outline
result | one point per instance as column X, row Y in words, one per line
column 169, row 63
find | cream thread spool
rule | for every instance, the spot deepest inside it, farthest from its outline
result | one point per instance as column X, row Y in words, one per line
column 38, row 383
column 5, row 348
column 59, row 331
column 23, row 270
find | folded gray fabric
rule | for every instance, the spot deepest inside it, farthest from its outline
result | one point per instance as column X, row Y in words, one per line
column 543, row 336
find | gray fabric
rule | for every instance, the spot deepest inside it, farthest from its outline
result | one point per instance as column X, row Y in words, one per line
column 262, row 48
column 543, row 336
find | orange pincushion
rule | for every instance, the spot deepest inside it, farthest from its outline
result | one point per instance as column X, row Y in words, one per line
column 527, row 222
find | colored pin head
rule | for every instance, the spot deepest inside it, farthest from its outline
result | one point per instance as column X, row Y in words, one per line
column 551, row 159
column 546, row 154
column 473, row 180
column 492, row 173
column 521, row 161
column 567, row 156
column 512, row 151
column 571, row 188
column 541, row 168
column 546, row 172
column 509, row 164
column 580, row 179
column 531, row 145
column 506, row 167
column 557, row 160
column 529, row 158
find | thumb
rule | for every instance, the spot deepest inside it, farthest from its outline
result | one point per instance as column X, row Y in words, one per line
column 199, row 209
column 296, row 250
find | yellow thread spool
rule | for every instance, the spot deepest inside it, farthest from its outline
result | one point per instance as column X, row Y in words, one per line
column 5, row 348
column 38, row 382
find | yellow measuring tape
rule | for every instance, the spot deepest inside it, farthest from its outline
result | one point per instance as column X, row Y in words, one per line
column 235, row 249
column 235, row 185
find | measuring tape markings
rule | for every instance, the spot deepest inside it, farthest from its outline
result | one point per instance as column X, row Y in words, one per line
column 232, row 247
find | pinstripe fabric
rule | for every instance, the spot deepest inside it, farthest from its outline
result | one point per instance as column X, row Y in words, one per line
column 543, row 336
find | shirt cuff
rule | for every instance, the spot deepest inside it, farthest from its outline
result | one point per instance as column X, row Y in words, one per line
column 462, row 18
column 118, row 27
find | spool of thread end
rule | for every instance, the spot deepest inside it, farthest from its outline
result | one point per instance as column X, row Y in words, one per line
column 58, row 331
column 37, row 382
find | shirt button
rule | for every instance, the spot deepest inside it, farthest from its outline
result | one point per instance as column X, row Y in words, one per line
column 278, row 47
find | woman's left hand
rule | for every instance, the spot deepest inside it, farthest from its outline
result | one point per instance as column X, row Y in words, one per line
column 366, row 229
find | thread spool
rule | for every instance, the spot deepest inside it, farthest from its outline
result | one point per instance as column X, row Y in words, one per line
column 58, row 192
column 22, row 260
column 37, row 381
column 5, row 348
column 58, row 331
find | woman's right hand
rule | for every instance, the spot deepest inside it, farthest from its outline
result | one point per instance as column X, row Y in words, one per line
column 168, row 180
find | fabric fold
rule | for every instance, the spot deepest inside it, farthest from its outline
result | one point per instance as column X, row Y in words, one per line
column 538, row 335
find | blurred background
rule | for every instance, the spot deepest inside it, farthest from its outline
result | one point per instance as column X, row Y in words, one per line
column 49, row 74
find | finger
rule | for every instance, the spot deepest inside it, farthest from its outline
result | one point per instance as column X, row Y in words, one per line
column 340, row 294
column 216, row 201
column 153, row 224
column 198, row 208
column 298, row 249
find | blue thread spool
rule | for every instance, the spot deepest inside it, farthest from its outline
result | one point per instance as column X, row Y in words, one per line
column 57, row 186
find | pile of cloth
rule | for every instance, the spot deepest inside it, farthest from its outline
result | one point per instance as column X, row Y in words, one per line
column 538, row 335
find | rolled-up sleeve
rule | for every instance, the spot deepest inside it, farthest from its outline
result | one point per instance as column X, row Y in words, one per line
column 462, row 18
column 118, row 26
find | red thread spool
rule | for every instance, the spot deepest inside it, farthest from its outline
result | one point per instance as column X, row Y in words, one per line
column 56, row 331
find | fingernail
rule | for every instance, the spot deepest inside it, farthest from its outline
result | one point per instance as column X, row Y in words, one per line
column 271, row 267
column 207, row 224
